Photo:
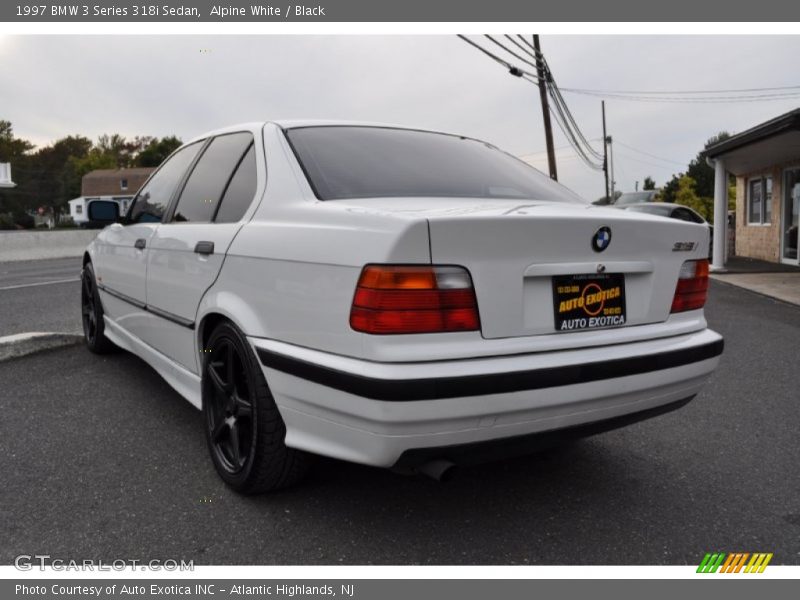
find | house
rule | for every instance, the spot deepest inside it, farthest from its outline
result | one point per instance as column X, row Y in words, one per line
column 766, row 162
column 119, row 185
column 114, row 182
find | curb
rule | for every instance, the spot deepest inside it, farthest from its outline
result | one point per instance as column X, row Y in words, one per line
column 23, row 344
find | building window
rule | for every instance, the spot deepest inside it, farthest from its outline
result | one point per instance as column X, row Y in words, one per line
column 759, row 201
column 78, row 209
column 123, row 184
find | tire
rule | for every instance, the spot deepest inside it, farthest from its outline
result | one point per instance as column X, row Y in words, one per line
column 94, row 326
column 244, row 430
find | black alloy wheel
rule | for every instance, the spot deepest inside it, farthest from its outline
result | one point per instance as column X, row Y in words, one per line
column 230, row 412
column 92, row 314
column 243, row 426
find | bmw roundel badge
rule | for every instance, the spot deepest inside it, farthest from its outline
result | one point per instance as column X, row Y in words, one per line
column 601, row 239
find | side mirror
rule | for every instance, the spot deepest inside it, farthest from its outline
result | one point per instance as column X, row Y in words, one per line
column 102, row 213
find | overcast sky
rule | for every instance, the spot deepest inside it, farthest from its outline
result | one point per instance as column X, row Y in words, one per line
column 52, row 86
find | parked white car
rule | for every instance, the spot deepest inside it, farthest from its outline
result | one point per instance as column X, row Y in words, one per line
column 393, row 297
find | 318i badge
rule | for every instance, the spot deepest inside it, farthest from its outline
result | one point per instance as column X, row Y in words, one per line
column 589, row 301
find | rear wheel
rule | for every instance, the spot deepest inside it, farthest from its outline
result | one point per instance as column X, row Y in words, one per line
column 92, row 314
column 244, row 430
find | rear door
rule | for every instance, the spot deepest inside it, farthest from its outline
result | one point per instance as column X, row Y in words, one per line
column 188, row 249
column 120, row 260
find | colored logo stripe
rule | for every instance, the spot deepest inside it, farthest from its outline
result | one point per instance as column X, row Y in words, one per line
column 711, row 563
column 734, row 562
column 758, row 563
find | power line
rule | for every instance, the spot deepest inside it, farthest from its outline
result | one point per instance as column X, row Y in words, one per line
column 485, row 51
column 730, row 91
column 545, row 151
column 513, row 69
column 645, row 162
column 530, row 46
column 569, row 134
column 511, row 52
column 564, row 125
column 559, row 99
column 559, row 109
column 520, row 46
column 688, row 99
column 629, row 147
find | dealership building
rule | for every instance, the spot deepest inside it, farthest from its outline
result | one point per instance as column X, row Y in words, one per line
column 766, row 162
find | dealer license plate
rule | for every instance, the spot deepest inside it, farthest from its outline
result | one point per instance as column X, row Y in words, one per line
column 589, row 301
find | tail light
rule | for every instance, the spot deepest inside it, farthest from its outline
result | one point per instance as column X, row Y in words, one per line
column 692, row 289
column 414, row 299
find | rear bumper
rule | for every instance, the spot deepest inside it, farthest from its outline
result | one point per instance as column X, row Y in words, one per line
column 520, row 445
column 376, row 413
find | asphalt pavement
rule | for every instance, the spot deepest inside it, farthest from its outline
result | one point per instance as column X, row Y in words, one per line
column 40, row 295
column 101, row 459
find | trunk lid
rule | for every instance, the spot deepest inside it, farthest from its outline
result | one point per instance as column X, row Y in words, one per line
column 514, row 250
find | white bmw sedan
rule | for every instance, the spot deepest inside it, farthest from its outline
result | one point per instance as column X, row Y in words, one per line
column 392, row 297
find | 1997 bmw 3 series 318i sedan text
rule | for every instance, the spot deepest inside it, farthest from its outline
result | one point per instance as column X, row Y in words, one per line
column 392, row 297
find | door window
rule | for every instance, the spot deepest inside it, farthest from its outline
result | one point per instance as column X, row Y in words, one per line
column 154, row 197
column 209, row 178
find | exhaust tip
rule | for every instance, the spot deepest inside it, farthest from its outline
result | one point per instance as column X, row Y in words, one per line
column 440, row 470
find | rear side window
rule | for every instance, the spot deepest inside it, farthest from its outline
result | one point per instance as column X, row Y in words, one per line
column 240, row 190
column 686, row 215
column 202, row 192
column 154, row 197
column 365, row 162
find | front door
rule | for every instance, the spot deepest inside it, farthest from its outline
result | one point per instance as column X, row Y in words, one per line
column 790, row 211
column 188, row 249
column 122, row 250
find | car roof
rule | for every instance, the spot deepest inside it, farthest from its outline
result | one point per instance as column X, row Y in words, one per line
column 297, row 123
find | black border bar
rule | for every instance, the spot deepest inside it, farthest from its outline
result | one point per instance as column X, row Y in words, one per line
column 408, row 11
column 437, row 388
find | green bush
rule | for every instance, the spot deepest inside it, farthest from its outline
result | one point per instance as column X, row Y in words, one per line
column 6, row 222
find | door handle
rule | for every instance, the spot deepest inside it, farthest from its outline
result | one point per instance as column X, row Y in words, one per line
column 140, row 244
column 204, row 248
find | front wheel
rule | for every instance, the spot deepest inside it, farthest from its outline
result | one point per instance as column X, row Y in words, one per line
column 92, row 314
column 244, row 430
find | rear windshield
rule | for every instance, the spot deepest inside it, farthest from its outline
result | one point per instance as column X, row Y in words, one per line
column 372, row 162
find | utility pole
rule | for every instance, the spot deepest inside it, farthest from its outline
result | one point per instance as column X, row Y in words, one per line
column 611, row 160
column 548, row 129
column 605, row 149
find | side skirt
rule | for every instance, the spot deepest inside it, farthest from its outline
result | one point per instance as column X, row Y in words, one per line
column 186, row 383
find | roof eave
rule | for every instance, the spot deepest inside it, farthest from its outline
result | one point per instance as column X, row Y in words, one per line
column 786, row 122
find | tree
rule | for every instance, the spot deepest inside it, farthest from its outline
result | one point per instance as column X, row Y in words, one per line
column 687, row 195
column 58, row 181
column 649, row 183
column 699, row 170
column 157, row 151
column 11, row 148
column 51, row 175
